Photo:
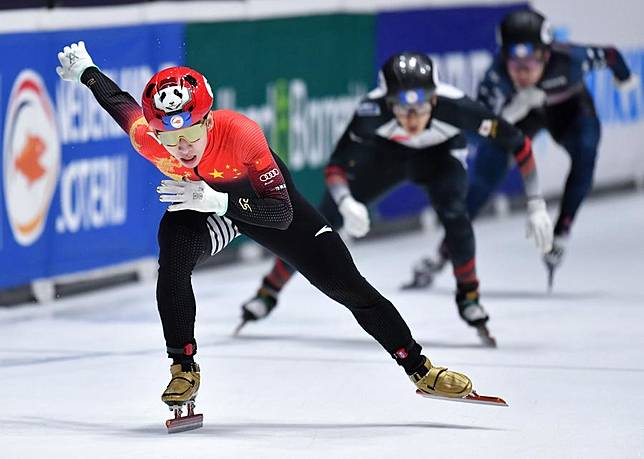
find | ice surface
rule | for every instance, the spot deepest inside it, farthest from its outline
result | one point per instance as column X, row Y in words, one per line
column 82, row 377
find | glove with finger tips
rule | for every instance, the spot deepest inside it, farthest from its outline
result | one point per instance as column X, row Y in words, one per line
column 539, row 225
column 355, row 216
column 192, row 196
column 74, row 60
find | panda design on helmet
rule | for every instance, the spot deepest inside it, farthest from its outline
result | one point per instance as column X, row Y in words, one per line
column 172, row 98
column 176, row 97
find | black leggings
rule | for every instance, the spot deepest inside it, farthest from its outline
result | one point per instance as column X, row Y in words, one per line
column 185, row 240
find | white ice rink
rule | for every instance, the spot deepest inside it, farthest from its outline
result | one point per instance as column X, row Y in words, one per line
column 82, row 377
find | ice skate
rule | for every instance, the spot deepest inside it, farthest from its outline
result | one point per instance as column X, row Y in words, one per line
column 553, row 259
column 472, row 312
column 424, row 272
column 257, row 308
column 180, row 394
column 444, row 384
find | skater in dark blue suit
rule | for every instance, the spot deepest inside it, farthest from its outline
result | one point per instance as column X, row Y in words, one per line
column 536, row 83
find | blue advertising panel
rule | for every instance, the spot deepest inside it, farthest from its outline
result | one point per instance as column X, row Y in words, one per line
column 462, row 42
column 75, row 195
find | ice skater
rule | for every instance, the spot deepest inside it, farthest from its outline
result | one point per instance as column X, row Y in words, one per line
column 537, row 83
column 226, row 181
column 411, row 128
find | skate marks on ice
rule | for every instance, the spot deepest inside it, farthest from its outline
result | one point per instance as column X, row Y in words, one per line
column 28, row 357
column 241, row 429
column 330, row 342
column 537, row 294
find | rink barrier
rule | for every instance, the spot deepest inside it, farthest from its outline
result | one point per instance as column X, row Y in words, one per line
column 75, row 196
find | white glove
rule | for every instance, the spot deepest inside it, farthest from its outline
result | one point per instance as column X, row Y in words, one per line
column 74, row 59
column 522, row 102
column 627, row 87
column 355, row 215
column 632, row 82
column 193, row 196
column 539, row 225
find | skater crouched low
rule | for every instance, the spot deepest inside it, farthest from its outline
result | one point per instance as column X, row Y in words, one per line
column 218, row 162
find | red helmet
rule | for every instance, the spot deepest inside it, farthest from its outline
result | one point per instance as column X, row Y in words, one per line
column 175, row 98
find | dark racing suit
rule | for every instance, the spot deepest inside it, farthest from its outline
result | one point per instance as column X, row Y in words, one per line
column 567, row 113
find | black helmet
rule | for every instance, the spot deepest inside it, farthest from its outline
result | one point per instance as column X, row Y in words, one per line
column 405, row 72
column 524, row 27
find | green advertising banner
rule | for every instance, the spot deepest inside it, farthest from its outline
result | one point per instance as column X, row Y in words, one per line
column 299, row 78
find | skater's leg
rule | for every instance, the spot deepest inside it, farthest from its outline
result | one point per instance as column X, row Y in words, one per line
column 371, row 174
column 580, row 139
column 490, row 167
column 488, row 170
column 445, row 179
column 581, row 142
column 183, row 241
column 281, row 272
column 185, row 238
column 446, row 182
column 325, row 261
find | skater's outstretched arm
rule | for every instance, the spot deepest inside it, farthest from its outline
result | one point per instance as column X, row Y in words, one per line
column 499, row 95
column 77, row 65
column 592, row 57
column 475, row 118
column 356, row 138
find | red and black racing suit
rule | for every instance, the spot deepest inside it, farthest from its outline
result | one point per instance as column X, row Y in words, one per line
column 264, row 205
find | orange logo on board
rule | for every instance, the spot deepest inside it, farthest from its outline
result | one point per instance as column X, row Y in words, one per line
column 31, row 157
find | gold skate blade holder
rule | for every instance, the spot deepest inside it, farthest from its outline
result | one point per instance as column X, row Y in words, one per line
column 183, row 423
column 473, row 397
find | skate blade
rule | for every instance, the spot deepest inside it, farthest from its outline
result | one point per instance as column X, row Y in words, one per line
column 239, row 327
column 488, row 341
column 471, row 398
column 184, row 423
column 416, row 286
column 551, row 278
column 484, row 334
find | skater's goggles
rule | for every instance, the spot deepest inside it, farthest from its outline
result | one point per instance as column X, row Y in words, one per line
column 525, row 56
column 190, row 134
column 421, row 109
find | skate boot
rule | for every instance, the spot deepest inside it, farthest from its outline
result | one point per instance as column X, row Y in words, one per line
column 258, row 307
column 554, row 258
column 180, row 393
column 441, row 382
column 473, row 313
column 424, row 272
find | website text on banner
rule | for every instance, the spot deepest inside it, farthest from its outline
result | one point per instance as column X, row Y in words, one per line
column 74, row 196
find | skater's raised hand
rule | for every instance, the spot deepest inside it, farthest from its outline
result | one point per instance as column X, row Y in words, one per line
column 193, row 196
column 355, row 215
column 539, row 225
column 74, row 59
